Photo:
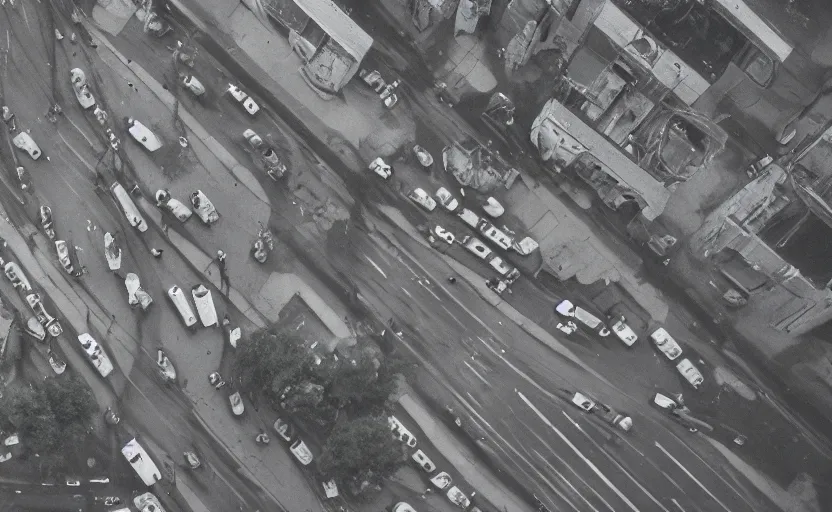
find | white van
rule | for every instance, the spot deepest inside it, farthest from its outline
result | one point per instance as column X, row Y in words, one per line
column 569, row 310
column 665, row 342
column 495, row 235
column 141, row 462
column 469, row 217
column 180, row 301
column 476, row 246
column 128, row 207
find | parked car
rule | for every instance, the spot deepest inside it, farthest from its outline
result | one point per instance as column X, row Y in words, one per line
column 444, row 235
column 422, row 198
column 476, row 246
column 301, row 452
column 569, row 310
column 446, row 199
column 665, row 342
column 403, row 507
column 143, row 135
column 423, row 155
column 663, row 401
column 81, row 88
column 204, row 208
column 15, row 274
column 183, row 307
column 284, row 429
column 493, row 208
column 469, row 217
column 583, row 402
column 134, row 216
column 615, row 418
column 401, row 432
column 275, row 168
column 244, row 99
column 25, row 142
column 50, row 323
column 236, row 401
column 205, row 305
column 458, row 498
column 192, row 83
column 381, row 168
column 423, row 461
column 690, row 372
column 624, row 332
column 441, row 480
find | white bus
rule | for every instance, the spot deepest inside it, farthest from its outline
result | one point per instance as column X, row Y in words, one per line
column 141, row 462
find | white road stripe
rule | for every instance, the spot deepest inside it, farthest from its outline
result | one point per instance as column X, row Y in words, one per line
column 683, row 468
column 579, row 454
column 677, row 504
column 590, row 487
column 477, row 374
column 617, row 464
column 474, row 400
column 376, row 266
column 405, row 291
column 672, row 481
column 567, row 482
column 454, row 317
column 429, row 290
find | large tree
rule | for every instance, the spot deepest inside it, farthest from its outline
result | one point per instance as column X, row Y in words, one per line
column 52, row 417
column 365, row 384
column 361, row 450
column 270, row 359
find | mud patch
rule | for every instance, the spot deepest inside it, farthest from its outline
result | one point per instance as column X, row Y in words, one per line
column 725, row 377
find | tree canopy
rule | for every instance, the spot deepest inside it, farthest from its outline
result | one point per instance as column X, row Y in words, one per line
column 270, row 359
column 51, row 416
column 361, row 449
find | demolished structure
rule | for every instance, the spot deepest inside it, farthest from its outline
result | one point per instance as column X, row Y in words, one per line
column 477, row 167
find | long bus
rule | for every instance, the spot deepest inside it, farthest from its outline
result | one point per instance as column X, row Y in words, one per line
column 141, row 462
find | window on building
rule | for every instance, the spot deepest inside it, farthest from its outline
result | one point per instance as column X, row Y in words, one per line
column 757, row 65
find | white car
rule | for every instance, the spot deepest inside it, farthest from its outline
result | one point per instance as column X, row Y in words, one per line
column 624, row 332
column 193, row 84
column 180, row 302
column 25, row 142
column 441, row 480
column 423, row 461
column 15, row 274
column 204, row 208
column 690, row 373
column 446, row 199
column 380, row 167
column 95, row 354
column 423, row 155
column 205, row 305
column 458, row 498
column 444, row 235
column 148, row 502
column 275, row 167
column 236, row 401
column 301, row 452
column 665, row 342
column 284, row 429
column 664, row 401
column 249, row 104
column 81, row 88
column 403, row 507
column 493, row 208
column 422, row 198
column 401, row 432
column 143, row 135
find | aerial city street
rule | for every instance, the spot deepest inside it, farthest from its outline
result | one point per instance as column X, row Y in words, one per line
column 415, row 255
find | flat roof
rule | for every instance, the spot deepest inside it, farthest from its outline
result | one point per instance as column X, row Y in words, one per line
column 752, row 22
column 338, row 25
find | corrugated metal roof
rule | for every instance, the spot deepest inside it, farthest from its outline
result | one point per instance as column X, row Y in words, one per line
column 338, row 25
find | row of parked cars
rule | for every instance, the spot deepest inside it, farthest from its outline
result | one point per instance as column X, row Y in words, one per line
column 442, row 481
column 667, row 345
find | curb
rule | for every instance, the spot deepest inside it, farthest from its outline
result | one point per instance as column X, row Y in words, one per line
column 240, row 172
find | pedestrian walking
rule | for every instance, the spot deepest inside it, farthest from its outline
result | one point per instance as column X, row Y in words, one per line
column 225, row 284
column 452, row 280
column 157, row 253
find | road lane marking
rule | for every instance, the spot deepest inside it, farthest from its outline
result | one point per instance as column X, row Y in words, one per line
column 677, row 504
column 617, row 464
column 454, row 317
column 683, row 468
column 578, row 476
column 726, row 482
column 567, row 482
column 376, row 266
column 429, row 290
column 477, row 374
column 474, row 400
column 406, row 292
column 575, row 449
column 672, row 481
